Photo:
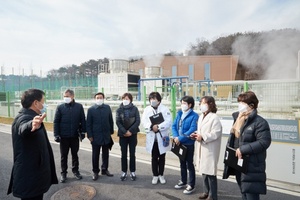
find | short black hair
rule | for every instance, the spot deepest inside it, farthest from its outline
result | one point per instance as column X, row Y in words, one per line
column 189, row 100
column 69, row 91
column 154, row 95
column 99, row 93
column 29, row 96
column 127, row 94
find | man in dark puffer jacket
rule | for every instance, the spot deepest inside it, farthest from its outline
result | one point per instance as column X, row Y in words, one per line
column 69, row 127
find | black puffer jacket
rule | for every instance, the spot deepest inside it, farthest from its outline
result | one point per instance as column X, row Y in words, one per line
column 254, row 141
column 127, row 113
column 34, row 168
column 69, row 119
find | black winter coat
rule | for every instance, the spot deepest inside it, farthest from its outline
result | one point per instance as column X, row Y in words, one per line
column 127, row 115
column 100, row 124
column 34, row 168
column 254, row 141
column 69, row 119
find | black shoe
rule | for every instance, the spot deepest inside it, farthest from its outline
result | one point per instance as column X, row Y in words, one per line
column 95, row 176
column 63, row 178
column 106, row 172
column 203, row 196
column 77, row 175
column 132, row 176
column 123, row 176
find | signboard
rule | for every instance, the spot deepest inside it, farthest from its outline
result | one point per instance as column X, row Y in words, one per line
column 282, row 130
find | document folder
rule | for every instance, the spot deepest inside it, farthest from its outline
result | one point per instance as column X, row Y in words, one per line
column 232, row 161
column 179, row 150
column 157, row 118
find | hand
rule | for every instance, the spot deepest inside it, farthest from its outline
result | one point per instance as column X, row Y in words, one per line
column 198, row 137
column 91, row 139
column 57, row 139
column 155, row 128
column 37, row 121
column 238, row 153
column 127, row 134
column 176, row 140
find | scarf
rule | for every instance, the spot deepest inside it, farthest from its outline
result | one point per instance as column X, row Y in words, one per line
column 239, row 123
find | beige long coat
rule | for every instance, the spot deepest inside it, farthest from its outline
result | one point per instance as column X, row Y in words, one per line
column 207, row 151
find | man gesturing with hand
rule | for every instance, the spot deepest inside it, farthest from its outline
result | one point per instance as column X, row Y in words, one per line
column 34, row 169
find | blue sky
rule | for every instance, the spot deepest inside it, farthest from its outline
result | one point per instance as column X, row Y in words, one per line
column 48, row 34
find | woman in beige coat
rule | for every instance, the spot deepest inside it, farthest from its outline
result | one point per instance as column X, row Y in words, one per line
column 207, row 146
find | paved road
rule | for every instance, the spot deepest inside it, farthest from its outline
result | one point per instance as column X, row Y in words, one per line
column 112, row 188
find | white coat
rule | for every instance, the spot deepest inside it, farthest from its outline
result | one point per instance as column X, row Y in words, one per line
column 207, row 151
column 164, row 128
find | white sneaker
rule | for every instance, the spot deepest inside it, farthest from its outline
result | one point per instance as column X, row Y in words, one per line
column 179, row 185
column 162, row 179
column 155, row 180
column 188, row 190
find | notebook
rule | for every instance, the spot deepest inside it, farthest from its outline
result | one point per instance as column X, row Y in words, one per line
column 179, row 150
column 232, row 161
column 157, row 118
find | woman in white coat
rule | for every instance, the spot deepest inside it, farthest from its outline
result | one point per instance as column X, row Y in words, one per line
column 155, row 134
column 207, row 146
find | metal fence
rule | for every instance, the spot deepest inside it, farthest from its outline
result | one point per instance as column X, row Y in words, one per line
column 278, row 99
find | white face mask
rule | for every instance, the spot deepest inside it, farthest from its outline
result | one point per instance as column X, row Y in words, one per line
column 67, row 99
column 243, row 107
column 43, row 109
column 154, row 103
column 203, row 108
column 184, row 107
column 99, row 102
column 125, row 102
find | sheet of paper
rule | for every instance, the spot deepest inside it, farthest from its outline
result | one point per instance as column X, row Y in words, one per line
column 180, row 151
column 240, row 162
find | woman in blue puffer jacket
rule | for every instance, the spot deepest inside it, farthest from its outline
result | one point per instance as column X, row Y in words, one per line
column 184, row 125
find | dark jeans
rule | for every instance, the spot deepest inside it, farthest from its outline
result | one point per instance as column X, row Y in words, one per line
column 40, row 197
column 96, row 155
column 210, row 185
column 65, row 145
column 157, row 161
column 126, row 142
column 188, row 164
column 245, row 196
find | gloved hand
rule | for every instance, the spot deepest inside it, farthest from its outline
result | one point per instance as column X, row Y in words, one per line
column 57, row 139
column 82, row 136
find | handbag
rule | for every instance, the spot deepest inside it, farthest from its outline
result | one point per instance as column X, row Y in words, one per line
column 165, row 139
column 128, row 122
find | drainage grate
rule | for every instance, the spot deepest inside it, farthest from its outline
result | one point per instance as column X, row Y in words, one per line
column 75, row 192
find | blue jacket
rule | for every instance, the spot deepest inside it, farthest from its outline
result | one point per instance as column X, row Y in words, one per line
column 189, row 125
column 69, row 119
column 100, row 124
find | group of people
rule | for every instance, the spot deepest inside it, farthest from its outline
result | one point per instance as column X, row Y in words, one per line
column 200, row 135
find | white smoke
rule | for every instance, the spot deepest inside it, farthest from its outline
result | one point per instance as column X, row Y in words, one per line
column 276, row 51
column 153, row 60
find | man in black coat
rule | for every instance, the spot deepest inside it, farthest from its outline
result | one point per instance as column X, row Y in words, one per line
column 34, row 169
column 100, row 126
column 69, row 127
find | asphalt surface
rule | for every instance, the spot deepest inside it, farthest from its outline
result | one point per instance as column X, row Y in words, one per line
column 110, row 188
